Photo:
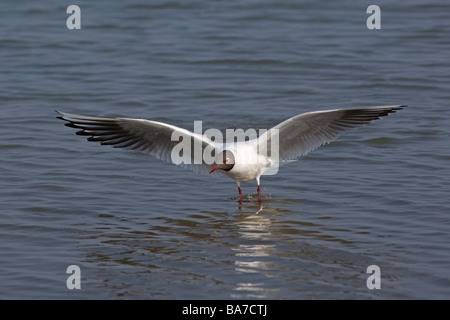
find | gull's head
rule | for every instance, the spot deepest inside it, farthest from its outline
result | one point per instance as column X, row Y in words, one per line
column 224, row 161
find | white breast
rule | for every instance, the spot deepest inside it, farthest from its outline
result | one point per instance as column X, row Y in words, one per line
column 248, row 163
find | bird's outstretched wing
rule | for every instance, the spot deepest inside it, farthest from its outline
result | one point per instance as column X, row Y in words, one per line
column 152, row 137
column 302, row 134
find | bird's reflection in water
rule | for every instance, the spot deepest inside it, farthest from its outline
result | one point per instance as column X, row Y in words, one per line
column 255, row 248
column 236, row 249
column 269, row 204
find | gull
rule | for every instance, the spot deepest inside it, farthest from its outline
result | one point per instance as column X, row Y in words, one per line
column 243, row 160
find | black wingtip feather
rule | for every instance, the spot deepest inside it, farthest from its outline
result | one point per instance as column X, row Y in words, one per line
column 72, row 125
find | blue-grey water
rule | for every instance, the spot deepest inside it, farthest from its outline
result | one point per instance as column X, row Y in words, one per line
column 139, row 228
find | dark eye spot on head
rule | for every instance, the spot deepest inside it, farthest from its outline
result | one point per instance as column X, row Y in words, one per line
column 227, row 160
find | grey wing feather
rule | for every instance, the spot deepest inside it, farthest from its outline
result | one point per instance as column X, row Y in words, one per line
column 152, row 137
column 304, row 133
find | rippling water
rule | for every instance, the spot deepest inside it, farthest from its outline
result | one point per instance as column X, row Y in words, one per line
column 141, row 228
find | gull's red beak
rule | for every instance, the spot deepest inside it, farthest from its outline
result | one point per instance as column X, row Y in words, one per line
column 214, row 168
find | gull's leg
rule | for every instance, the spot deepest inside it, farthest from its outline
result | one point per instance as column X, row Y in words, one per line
column 240, row 191
column 259, row 191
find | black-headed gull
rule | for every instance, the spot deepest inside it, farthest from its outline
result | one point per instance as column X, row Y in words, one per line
column 243, row 160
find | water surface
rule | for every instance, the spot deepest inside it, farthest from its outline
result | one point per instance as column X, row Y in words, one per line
column 141, row 228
